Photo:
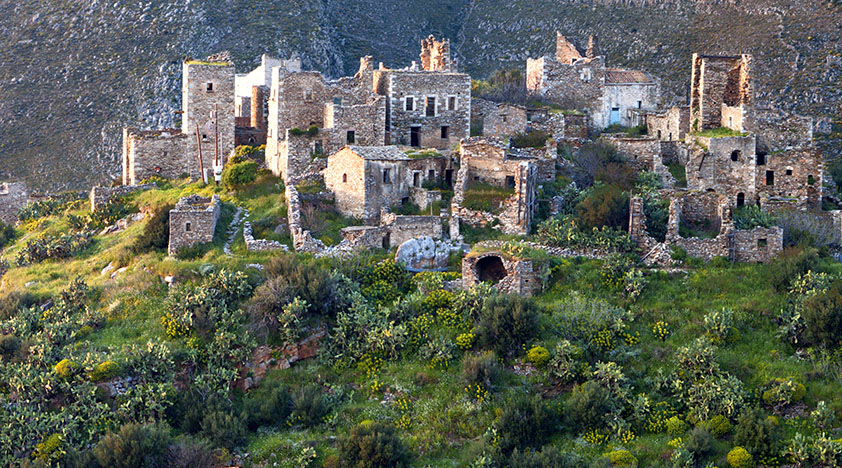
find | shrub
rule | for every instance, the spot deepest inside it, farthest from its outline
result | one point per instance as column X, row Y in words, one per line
column 589, row 406
column 156, row 231
column 675, row 426
column 538, row 355
column 50, row 449
column 7, row 234
column 191, row 453
column 783, row 392
column 13, row 302
column 564, row 361
column 606, row 205
column 699, row 441
column 373, row 445
column 267, row 405
column 9, row 345
column 567, row 232
column 822, row 314
column 506, row 323
column 756, row 433
column 523, row 422
column 104, row 371
column 738, row 457
column 239, row 174
column 718, row 324
column 751, row 216
column 47, row 246
column 621, row 458
column 66, row 368
column 223, row 429
column 481, row 369
column 535, row 139
column 309, row 406
column 548, row 457
column 718, row 425
column 792, row 263
column 134, row 446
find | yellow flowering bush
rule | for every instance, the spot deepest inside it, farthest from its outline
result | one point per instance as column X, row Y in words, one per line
column 538, row 355
column 661, row 330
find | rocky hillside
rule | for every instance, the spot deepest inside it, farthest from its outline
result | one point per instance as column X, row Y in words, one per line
column 75, row 72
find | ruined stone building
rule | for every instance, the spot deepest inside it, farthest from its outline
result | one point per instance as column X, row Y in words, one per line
column 252, row 99
column 367, row 179
column 193, row 221
column 586, row 82
column 340, row 112
column 509, row 275
column 767, row 154
column 13, row 197
column 172, row 153
column 492, row 162
column 428, row 105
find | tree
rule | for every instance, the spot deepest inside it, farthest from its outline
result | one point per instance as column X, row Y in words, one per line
column 822, row 315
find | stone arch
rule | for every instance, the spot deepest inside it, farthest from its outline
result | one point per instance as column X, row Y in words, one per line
column 491, row 268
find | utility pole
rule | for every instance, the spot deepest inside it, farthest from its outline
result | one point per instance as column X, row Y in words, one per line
column 217, row 172
column 201, row 163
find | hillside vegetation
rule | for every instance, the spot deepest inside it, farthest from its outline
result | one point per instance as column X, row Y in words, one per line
column 114, row 354
column 75, row 72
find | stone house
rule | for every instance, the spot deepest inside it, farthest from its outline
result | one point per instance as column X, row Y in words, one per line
column 366, row 179
column 393, row 230
column 584, row 81
column 505, row 120
column 193, row 221
column 13, row 197
column 342, row 112
column 427, row 106
column 260, row 77
column 670, row 125
column 207, row 87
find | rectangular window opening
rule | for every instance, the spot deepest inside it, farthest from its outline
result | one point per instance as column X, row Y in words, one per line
column 770, row 177
column 351, row 137
column 387, row 179
column 187, row 227
column 409, row 104
column 445, row 132
column 431, row 106
column 209, row 87
column 451, row 103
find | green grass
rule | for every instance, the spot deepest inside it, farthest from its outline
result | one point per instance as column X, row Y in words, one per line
column 721, row 132
column 482, row 196
column 679, row 172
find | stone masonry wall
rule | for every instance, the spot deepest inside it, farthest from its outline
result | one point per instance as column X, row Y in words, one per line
column 100, row 196
column 203, row 87
column 796, row 174
column 166, row 153
column 345, row 177
column 403, row 228
column 13, row 197
column 505, row 120
column 520, row 277
column 712, row 166
column 671, row 125
column 441, row 86
column 193, row 221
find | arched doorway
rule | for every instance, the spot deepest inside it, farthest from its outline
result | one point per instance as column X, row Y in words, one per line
column 491, row 269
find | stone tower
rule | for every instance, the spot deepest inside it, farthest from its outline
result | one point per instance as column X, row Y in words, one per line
column 718, row 83
column 435, row 55
column 206, row 84
column 593, row 47
column 565, row 51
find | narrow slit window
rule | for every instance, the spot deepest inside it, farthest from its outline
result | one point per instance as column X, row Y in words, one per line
column 387, row 179
column 209, row 87
column 187, row 227
column 445, row 132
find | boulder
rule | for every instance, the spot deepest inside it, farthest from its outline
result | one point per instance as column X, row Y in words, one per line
column 423, row 253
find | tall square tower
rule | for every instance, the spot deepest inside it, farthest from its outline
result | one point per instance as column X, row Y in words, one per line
column 205, row 85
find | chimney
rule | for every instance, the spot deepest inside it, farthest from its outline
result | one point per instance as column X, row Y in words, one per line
column 257, row 108
column 593, row 47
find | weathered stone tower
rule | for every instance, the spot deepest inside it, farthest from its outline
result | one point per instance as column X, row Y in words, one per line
column 206, row 84
column 435, row 55
column 719, row 84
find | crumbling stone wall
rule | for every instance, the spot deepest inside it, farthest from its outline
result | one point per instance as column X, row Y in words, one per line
column 193, row 221
column 580, row 83
column 755, row 245
column 435, row 55
column 165, row 153
column 401, row 228
column 346, row 178
column 510, row 276
column 725, row 165
column 778, row 130
column 100, row 196
column 13, row 197
column 714, row 81
column 796, row 174
column 670, row 125
column 259, row 245
column 642, row 152
column 302, row 240
column 505, row 120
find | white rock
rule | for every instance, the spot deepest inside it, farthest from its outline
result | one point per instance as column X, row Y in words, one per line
column 107, row 269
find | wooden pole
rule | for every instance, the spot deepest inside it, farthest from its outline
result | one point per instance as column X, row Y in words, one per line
column 215, row 141
column 201, row 163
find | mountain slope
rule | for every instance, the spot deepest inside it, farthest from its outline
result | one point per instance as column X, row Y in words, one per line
column 75, row 72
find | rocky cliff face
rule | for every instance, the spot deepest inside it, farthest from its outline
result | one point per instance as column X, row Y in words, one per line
column 74, row 72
